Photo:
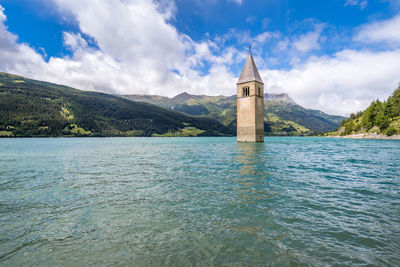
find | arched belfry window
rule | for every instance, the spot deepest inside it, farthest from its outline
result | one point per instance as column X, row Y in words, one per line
column 246, row 91
column 259, row 91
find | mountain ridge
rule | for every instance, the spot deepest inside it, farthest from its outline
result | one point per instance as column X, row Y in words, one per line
column 283, row 116
column 35, row 108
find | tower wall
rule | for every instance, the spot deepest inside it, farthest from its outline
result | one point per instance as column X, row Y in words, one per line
column 250, row 112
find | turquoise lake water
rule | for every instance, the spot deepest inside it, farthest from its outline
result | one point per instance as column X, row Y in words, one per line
column 199, row 201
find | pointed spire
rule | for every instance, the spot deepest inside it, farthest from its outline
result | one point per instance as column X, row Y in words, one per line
column 250, row 71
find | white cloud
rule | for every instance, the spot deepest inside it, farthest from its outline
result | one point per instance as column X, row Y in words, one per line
column 15, row 57
column 134, row 31
column 381, row 31
column 263, row 37
column 309, row 41
column 283, row 45
column 251, row 19
column 361, row 3
column 74, row 41
column 344, row 83
column 140, row 52
column 351, row 3
column 239, row 2
column 2, row 16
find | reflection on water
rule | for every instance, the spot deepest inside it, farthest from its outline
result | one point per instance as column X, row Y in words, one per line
column 253, row 170
column 252, row 157
column 253, row 188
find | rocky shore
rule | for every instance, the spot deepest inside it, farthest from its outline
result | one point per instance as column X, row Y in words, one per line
column 370, row 136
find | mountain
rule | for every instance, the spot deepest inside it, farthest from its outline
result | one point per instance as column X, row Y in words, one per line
column 283, row 116
column 35, row 108
column 382, row 118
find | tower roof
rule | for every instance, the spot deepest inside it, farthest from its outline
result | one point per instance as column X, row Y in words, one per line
column 250, row 71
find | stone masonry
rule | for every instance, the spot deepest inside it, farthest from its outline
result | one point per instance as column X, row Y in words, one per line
column 250, row 104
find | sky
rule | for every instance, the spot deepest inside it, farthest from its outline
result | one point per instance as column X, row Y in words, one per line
column 333, row 55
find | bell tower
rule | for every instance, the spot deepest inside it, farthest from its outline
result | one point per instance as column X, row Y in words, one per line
column 250, row 104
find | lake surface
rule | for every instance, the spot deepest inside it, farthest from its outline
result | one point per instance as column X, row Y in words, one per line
column 199, row 201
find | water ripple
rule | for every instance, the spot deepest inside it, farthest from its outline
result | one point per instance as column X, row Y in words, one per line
column 199, row 201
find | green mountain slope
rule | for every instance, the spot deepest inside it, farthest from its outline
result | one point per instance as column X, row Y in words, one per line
column 34, row 108
column 378, row 118
column 282, row 115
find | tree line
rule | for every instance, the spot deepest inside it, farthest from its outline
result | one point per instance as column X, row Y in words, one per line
column 378, row 114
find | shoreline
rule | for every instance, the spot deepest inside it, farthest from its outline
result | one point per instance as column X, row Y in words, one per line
column 72, row 137
column 369, row 136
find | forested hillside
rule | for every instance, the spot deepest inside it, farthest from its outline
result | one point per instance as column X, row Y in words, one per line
column 379, row 117
column 282, row 115
column 34, row 108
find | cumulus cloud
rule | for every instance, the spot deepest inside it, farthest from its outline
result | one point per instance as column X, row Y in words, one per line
column 342, row 84
column 381, row 31
column 309, row 41
column 134, row 32
column 18, row 58
column 138, row 51
column 74, row 41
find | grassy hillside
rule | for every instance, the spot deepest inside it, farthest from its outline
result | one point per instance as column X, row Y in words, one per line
column 282, row 115
column 34, row 108
column 379, row 117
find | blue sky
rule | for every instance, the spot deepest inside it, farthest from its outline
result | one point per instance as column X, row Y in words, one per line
column 332, row 55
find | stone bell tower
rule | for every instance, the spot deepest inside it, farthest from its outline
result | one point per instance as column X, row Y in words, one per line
column 250, row 104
